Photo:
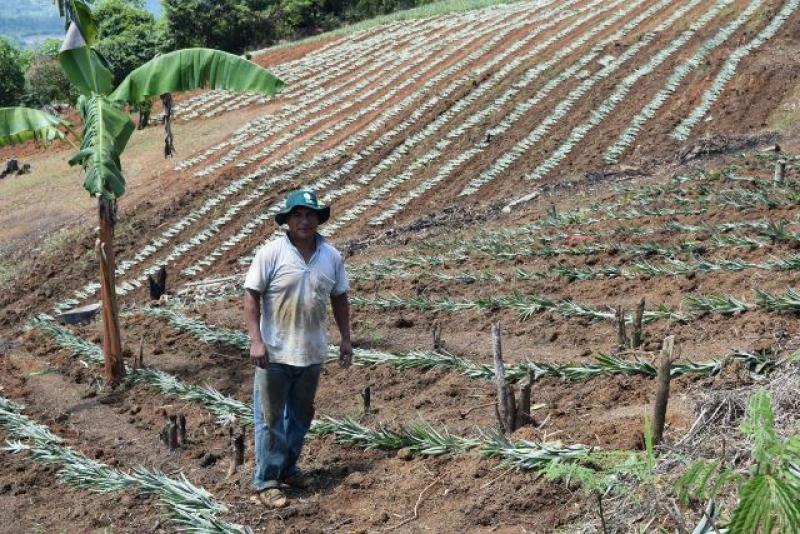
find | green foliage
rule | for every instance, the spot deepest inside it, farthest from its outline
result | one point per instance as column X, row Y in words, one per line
column 184, row 70
column 704, row 479
column 18, row 125
column 106, row 130
column 12, row 77
column 602, row 472
column 47, row 82
column 115, row 17
column 128, row 36
column 769, row 496
column 84, row 66
column 230, row 25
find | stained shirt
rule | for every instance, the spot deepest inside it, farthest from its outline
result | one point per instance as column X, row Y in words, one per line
column 294, row 298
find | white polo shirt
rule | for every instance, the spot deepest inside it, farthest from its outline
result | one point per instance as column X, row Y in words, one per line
column 294, row 298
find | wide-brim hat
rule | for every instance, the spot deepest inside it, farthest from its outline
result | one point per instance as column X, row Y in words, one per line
column 302, row 199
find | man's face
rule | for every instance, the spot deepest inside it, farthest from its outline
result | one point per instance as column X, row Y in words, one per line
column 303, row 222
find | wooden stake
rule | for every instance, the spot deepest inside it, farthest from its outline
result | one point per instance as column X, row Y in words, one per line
column 182, row 429
column 524, row 405
column 553, row 212
column 662, row 393
column 173, row 432
column 780, row 172
column 506, row 409
column 366, row 395
column 237, row 450
column 138, row 360
column 622, row 336
column 638, row 338
column 437, row 337
column 164, row 434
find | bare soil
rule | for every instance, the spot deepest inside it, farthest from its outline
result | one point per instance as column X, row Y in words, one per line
column 47, row 242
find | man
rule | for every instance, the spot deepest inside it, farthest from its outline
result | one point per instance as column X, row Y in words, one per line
column 287, row 289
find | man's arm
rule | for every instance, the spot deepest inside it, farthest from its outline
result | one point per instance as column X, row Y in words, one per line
column 252, row 316
column 341, row 314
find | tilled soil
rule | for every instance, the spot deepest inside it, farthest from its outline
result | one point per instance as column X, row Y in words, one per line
column 369, row 490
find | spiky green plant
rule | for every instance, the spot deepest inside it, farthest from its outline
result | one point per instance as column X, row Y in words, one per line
column 722, row 304
column 789, row 302
column 527, row 455
column 421, row 438
column 778, row 232
column 201, row 330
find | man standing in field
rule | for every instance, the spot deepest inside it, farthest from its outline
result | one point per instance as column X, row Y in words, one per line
column 287, row 289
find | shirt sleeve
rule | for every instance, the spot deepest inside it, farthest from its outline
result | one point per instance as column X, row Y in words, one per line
column 258, row 276
column 342, row 284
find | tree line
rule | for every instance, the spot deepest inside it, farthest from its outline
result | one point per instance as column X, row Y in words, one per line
column 128, row 35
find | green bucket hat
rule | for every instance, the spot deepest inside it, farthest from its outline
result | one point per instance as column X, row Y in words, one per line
column 302, row 198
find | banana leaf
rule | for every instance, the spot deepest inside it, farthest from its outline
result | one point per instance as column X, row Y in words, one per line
column 80, row 13
column 195, row 68
column 84, row 66
column 19, row 124
column 106, row 131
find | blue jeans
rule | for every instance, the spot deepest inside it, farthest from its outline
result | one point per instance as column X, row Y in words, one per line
column 283, row 408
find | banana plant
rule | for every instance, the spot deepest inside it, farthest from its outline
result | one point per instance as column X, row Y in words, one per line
column 107, row 127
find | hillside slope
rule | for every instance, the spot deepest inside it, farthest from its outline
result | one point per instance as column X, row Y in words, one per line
column 634, row 143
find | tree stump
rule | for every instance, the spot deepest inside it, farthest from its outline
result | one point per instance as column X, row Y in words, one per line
column 505, row 407
column 638, row 337
column 780, row 172
column 622, row 336
column 662, row 391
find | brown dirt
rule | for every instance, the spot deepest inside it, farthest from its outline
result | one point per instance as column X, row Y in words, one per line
column 358, row 490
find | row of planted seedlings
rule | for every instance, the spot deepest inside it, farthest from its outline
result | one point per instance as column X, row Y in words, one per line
column 188, row 507
column 604, row 364
column 343, row 149
column 518, row 246
column 527, row 305
column 419, row 267
column 697, row 189
column 425, row 439
column 637, row 208
column 495, row 107
column 613, row 468
column 421, row 438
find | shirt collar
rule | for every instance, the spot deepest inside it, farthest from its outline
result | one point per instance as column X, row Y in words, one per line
column 318, row 242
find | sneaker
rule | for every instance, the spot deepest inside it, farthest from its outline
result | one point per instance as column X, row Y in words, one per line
column 270, row 498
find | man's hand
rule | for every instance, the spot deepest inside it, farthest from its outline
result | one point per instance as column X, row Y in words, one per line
column 258, row 354
column 345, row 354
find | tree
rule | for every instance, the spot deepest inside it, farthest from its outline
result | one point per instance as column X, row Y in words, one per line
column 107, row 128
column 12, row 77
column 231, row 25
column 46, row 81
column 128, row 35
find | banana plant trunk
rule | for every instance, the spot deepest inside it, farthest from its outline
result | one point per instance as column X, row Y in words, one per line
column 112, row 343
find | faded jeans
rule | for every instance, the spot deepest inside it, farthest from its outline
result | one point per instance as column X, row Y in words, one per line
column 283, row 408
